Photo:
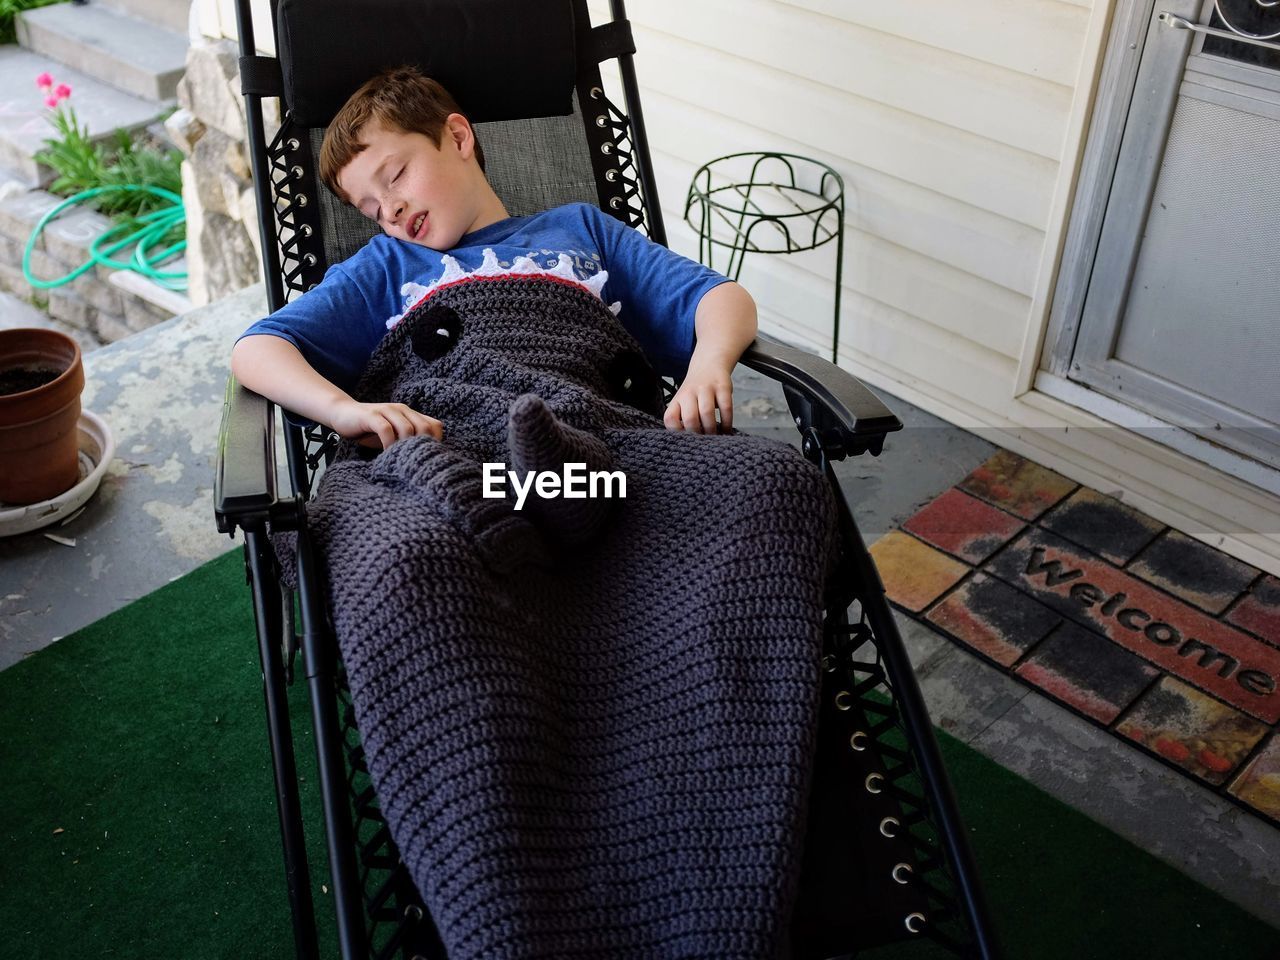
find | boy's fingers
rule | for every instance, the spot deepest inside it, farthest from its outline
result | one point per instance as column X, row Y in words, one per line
column 672, row 417
column 408, row 422
column 425, row 426
column 386, row 433
column 724, row 400
column 418, row 425
column 707, row 409
column 400, row 425
column 689, row 416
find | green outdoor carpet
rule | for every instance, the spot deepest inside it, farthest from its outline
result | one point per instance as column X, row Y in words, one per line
column 137, row 816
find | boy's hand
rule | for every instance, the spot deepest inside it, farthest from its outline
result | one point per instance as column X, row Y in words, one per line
column 382, row 424
column 725, row 325
column 707, row 387
column 276, row 369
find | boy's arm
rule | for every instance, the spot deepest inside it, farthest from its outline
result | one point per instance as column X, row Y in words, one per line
column 725, row 325
column 274, row 367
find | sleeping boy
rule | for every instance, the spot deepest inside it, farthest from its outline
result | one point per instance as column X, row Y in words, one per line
column 401, row 153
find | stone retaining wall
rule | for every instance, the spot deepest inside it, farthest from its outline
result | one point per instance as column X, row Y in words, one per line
column 217, row 184
column 100, row 302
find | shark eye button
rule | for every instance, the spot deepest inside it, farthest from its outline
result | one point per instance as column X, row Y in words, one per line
column 436, row 332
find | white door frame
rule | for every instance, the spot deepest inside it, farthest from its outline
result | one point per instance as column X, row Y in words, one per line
column 1133, row 26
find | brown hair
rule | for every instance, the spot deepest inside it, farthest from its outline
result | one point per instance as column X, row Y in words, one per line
column 398, row 98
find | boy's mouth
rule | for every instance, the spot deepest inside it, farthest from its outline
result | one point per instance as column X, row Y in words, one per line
column 416, row 226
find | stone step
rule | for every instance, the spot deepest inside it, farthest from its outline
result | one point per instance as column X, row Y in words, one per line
column 24, row 124
column 16, row 313
column 171, row 301
column 133, row 55
column 173, row 15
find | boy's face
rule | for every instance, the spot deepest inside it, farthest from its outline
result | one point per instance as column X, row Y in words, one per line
column 414, row 189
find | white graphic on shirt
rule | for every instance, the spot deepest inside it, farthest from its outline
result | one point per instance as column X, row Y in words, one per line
column 415, row 293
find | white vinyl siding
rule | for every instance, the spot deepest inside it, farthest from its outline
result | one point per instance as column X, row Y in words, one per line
column 958, row 129
column 1039, row 38
column 947, row 122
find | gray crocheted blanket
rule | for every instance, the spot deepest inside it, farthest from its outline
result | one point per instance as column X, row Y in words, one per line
column 589, row 721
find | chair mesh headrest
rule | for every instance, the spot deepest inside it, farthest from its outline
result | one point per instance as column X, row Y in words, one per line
column 501, row 59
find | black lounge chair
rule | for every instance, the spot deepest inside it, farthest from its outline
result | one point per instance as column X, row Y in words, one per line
column 887, row 857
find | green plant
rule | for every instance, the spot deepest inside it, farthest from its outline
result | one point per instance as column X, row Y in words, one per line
column 143, row 165
column 10, row 9
column 83, row 164
column 74, row 157
column 139, row 185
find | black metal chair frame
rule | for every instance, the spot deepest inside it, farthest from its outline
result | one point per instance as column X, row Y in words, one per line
column 892, row 860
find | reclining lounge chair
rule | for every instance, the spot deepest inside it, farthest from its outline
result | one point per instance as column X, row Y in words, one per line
column 886, row 857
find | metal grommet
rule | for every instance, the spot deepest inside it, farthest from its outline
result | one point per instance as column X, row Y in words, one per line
column 611, row 175
column 596, row 93
column 602, row 120
column 606, row 148
column 305, row 230
column 615, row 203
column 901, row 872
column 798, row 421
column 914, row 922
column 858, row 742
column 886, row 824
column 844, row 700
column 309, row 259
column 312, row 286
column 873, row 781
column 301, row 200
column 292, row 143
column 413, row 912
column 626, row 384
column 829, row 663
column 297, row 171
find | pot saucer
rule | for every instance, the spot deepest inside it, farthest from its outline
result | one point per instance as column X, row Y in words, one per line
column 97, row 447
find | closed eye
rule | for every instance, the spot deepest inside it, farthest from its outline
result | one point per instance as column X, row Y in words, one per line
column 397, row 176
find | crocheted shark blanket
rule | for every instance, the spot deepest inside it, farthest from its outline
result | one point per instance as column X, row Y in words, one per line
column 589, row 720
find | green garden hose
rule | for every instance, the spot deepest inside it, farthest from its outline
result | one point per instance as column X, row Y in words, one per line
column 148, row 230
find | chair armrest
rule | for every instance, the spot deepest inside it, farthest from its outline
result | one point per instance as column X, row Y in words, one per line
column 244, row 485
column 847, row 416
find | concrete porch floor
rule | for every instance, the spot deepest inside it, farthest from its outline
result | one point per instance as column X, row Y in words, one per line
column 152, row 520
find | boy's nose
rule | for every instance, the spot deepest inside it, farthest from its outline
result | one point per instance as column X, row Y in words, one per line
column 397, row 211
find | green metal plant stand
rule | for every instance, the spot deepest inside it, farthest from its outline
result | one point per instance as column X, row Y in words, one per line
column 767, row 203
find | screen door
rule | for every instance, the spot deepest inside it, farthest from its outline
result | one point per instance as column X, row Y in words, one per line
column 1181, row 315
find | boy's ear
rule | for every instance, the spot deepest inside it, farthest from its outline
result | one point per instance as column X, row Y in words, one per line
column 458, row 129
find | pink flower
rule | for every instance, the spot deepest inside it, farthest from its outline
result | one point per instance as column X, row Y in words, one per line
column 62, row 92
column 50, row 101
column 44, row 81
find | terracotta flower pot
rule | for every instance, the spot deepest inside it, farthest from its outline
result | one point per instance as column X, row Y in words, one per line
column 41, row 377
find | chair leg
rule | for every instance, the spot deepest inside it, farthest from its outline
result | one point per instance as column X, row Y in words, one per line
column 937, row 786
column 919, row 730
column 398, row 922
column 267, row 614
column 320, row 657
column 866, row 871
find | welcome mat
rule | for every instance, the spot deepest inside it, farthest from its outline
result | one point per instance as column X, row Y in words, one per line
column 1165, row 641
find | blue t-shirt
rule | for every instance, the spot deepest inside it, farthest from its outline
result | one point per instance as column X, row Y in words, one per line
column 337, row 325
